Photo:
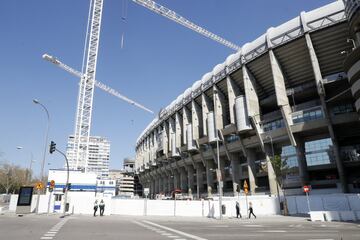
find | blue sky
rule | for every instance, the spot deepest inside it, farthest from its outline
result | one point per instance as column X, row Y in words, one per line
column 159, row 60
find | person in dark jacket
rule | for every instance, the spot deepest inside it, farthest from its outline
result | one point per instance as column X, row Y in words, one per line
column 95, row 207
column 238, row 210
column 251, row 210
column 102, row 207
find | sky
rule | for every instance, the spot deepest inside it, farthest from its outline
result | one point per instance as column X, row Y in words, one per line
column 158, row 61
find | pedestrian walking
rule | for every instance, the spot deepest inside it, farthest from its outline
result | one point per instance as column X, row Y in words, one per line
column 251, row 210
column 102, row 207
column 95, row 207
column 238, row 210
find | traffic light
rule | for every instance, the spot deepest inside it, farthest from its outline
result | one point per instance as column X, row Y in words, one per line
column 238, row 188
column 52, row 184
column 52, row 147
column 69, row 186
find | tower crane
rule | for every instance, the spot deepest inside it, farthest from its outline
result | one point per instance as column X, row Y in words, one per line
column 86, row 89
column 98, row 84
column 163, row 11
column 87, row 79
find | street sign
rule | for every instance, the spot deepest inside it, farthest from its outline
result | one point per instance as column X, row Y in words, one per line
column 52, row 184
column 306, row 188
column 39, row 185
column 246, row 187
column 245, row 184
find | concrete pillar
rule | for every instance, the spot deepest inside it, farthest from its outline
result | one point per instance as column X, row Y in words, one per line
column 190, row 178
column 183, row 180
column 176, row 179
column 219, row 109
column 233, row 91
column 281, row 95
column 185, row 121
column 170, row 183
column 300, row 153
column 157, row 183
column 206, row 108
column 210, row 176
column 161, row 183
column 321, row 92
column 199, row 179
column 273, row 184
column 196, row 118
column 235, row 170
column 252, row 102
column 178, row 129
column 165, row 136
column 172, row 130
column 251, row 158
column 152, row 188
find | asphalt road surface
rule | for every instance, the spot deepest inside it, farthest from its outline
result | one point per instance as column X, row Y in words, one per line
column 82, row 227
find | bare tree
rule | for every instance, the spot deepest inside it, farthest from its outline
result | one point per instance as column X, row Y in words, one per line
column 11, row 178
column 6, row 177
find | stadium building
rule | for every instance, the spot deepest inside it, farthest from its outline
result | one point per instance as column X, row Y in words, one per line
column 291, row 94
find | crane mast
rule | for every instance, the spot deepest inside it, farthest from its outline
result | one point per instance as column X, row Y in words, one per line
column 87, row 79
column 163, row 11
column 86, row 89
column 98, row 84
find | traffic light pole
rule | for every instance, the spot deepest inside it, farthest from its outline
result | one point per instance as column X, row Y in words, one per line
column 67, row 180
column 49, row 203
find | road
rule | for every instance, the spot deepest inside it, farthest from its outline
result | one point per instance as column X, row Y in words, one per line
column 80, row 227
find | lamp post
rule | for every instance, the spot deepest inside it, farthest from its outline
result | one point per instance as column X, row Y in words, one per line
column 44, row 155
column 218, row 156
column 28, row 176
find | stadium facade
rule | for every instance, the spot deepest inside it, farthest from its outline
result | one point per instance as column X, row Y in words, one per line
column 291, row 94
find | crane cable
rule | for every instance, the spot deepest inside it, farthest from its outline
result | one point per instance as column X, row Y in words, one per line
column 123, row 18
column 86, row 37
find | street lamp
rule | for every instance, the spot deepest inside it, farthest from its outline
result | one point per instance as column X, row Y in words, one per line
column 44, row 155
column 218, row 156
column 28, row 177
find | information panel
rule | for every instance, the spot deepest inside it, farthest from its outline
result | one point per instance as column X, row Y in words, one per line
column 25, row 196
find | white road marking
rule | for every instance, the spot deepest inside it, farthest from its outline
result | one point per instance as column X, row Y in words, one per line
column 219, row 226
column 53, row 231
column 273, row 231
column 175, row 231
column 49, row 234
column 166, row 234
column 172, row 236
column 320, row 239
column 252, row 225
